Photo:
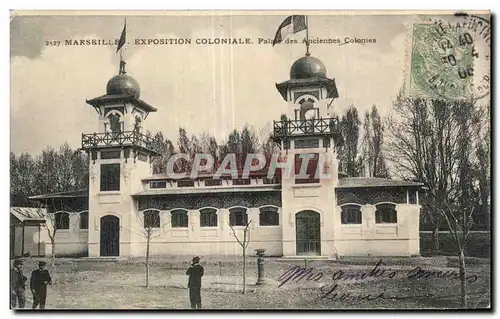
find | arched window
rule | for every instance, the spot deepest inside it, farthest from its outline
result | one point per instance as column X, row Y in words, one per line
column 269, row 216
column 61, row 220
column 114, row 123
column 151, row 219
column 238, row 216
column 386, row 214
column 179, row 218
column 84, row 220
column 208, row 217
column 351, row 214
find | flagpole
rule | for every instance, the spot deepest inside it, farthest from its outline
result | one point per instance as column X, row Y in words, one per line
column 307, row 37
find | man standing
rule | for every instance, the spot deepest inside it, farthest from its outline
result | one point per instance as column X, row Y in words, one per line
column 17, row 285
column 195, row 272
column 40, row 278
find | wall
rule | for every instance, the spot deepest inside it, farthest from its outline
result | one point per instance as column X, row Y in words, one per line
column 372, row 239
column 204, row 241
column 69, row 242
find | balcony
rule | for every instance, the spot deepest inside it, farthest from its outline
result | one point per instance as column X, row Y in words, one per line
column 282, row 130
column 110, row 139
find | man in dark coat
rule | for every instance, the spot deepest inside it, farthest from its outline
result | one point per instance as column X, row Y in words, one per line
column 17, row 285
column 40, row 278
column 195, row 272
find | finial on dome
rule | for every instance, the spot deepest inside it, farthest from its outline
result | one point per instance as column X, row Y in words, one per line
column 122, row 67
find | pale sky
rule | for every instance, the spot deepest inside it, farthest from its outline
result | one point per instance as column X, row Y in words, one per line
column 213, row 88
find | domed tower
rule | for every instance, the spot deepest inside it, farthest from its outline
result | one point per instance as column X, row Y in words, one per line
column 120, row 157
column 307, row 135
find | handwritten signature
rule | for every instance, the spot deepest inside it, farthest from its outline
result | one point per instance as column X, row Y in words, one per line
column 298, row 274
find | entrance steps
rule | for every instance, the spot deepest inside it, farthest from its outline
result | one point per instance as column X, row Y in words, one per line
column 308, row 257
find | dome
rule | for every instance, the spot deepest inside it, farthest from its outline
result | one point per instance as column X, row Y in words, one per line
column 123, row 83
column 307, row 67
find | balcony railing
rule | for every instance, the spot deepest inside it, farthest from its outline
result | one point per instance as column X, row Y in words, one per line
column 322, row 126
column 127, row 138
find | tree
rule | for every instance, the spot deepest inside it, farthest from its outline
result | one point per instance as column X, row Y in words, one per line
column 148, row 227
column 244, row 245
column 165, row 148
column 349, row 151
column 22, row 179
column 423, row 139
column 373, row 158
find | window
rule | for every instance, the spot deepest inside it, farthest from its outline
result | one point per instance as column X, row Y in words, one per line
column 185, row 183
column 238, row 217
column 412, row 197
column 213, row 182
column 110, row 177
column 208, row 217
column 158, row 184
column 62, row 220
column 241, row 181
column 386, row 214
column 84, row 220
column 273, row 180
column 350, row 214
column 312, row 164
column 269, row 216
column 114, row 123
column 179, row 218
column 151, row 219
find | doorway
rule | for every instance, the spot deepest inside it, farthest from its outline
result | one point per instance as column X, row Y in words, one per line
column 308, row 233
column 110, row 236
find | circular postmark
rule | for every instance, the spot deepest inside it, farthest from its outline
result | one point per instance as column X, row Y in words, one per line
column 451, row 59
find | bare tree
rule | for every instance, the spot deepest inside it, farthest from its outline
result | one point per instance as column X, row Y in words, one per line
column 459, row 220
column 244, row 245
column 149, row 228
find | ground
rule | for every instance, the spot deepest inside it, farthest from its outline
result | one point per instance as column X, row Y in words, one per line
column 90, row 284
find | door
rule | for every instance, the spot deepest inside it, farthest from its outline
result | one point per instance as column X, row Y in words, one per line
column 308, row 234
column 110, row 236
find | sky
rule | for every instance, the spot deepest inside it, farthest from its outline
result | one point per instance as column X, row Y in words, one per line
column 211, row 88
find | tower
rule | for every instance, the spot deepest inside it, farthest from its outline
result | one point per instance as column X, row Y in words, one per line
column 308, row 132
column 120, row 156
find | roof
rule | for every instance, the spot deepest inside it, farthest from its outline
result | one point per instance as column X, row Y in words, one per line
column 210, row 190
column 69, row 194
column 28, row 213
column 103, row 99
column 360, row 182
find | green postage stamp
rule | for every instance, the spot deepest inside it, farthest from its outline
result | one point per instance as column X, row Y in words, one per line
column 450, row 59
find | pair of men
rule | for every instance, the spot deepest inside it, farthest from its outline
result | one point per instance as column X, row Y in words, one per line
column 195, row 272
column 40, row 278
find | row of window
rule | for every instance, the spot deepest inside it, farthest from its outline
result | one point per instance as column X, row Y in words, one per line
column 385, row 214
column 208, row 217
column 62, row 220
column 207, row 182
column 268, row 216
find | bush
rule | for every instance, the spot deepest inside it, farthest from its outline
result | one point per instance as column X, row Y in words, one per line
column 478, row 245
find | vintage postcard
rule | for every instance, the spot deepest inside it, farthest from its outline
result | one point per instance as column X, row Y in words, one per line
column 250, row 160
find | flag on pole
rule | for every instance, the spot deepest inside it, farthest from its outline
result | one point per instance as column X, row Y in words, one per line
column 291, row 25
column 121, row 42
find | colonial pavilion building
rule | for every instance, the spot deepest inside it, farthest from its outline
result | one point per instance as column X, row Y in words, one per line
column 340, row 216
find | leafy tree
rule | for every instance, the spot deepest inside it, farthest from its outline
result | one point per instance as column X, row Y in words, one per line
column 349, row 151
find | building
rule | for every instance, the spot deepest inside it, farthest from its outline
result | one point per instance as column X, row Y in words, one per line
column 27, row 232
column 291, row 216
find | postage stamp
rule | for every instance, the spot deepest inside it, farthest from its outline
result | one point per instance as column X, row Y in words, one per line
column 250, row 160
column 450, row 58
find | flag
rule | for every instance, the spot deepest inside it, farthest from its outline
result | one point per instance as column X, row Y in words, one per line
column 121, row 42
column 291, row 25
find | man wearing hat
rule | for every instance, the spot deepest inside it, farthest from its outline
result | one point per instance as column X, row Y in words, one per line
column 17, row 285
column 195, row 272
column 40, row 278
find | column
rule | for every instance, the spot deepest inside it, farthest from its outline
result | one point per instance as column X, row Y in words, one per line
column 368, row 223
column 194, row 224
column 253, row 216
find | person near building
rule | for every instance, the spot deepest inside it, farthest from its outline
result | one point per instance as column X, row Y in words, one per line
column 195, row 272
column 17, row 285
column 40, row 278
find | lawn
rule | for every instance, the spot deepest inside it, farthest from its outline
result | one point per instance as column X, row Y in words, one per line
column 90, row 284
